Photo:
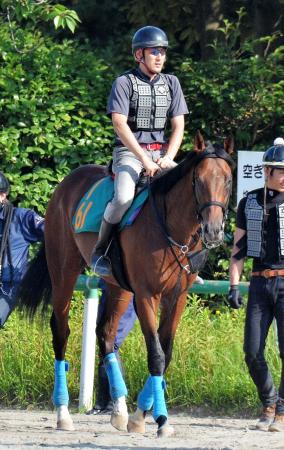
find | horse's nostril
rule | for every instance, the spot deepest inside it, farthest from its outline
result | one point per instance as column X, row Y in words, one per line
column 212, row 229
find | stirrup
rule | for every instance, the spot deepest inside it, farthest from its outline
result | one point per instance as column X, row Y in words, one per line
column 101, row 265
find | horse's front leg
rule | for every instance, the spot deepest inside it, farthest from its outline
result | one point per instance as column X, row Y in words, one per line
column 117, row 301
column 60, row 395
column 153, row 392
column 171, row 311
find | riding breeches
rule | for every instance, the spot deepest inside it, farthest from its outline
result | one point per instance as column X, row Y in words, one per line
column 266, row 302
column 127, row 169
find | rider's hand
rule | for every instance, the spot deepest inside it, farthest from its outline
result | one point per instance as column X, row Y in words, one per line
column 150, row 167
column 234, row 297
column 166, row 162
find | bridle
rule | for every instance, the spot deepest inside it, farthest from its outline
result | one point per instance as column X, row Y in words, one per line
column 215, row 152
column 185, row 248
column 224, row 206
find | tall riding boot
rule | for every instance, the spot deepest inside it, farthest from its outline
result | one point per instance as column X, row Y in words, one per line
column 100, row 263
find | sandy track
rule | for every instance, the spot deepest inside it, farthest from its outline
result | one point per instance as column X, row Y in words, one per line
column 36, row 430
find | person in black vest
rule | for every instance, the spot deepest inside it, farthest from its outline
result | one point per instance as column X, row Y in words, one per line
column 260, row 235
column 141, row 103
column 19, row 227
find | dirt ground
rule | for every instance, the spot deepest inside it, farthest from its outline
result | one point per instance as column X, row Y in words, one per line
column 29, row 430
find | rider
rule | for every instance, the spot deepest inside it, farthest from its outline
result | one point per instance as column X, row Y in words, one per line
column 260, row 235
column 140, row 102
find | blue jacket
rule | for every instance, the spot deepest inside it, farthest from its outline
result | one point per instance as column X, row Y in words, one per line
column 26, row 228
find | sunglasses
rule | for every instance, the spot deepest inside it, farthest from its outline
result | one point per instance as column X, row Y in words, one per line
column 155, row 51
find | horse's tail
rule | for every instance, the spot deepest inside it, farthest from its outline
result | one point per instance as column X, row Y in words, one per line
column 35, row 288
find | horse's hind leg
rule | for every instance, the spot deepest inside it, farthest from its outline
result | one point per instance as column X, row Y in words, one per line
column 60, row 331
column 117, row 301
column 65, row 264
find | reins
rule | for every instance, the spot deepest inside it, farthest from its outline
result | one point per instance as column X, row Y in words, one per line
column 184, row 248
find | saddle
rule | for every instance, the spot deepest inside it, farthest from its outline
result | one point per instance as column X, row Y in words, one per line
column 90, row 210
column 114, row 252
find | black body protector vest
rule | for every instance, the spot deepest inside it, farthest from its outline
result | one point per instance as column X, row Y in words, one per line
column 149, row 104
column 255, row 220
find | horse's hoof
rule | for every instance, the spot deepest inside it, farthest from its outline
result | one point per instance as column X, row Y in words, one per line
column 119, row 421
column 165, row 430
column 136, row 425
column 65, row 425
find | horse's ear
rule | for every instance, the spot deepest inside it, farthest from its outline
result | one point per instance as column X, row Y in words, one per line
column 229, row 145
column 199, row 144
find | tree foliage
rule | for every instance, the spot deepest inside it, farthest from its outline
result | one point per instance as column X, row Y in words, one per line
column 236, row 90
column 191, row 25
column 36, row 11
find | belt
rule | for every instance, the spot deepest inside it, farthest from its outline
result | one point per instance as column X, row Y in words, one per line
column 153, row 146
column 267, row 273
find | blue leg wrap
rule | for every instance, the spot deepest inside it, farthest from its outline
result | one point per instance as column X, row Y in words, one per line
column 158, row 385
column 115, row 378
column 60, row 392
column 145, row 398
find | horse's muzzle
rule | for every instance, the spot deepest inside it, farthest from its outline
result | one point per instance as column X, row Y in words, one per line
column 212, row 235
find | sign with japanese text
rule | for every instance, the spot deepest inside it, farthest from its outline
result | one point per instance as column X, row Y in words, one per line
column 250, row 172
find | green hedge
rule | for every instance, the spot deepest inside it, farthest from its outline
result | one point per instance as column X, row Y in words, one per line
column 52, row 111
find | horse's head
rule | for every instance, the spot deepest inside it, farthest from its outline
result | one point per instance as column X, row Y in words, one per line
column 212, row 184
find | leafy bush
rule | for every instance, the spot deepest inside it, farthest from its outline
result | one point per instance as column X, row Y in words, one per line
column 52, row 110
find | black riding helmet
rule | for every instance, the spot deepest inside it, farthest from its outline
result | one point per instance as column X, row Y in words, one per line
column 4, row 184
column 274, row 157
column 149, row 37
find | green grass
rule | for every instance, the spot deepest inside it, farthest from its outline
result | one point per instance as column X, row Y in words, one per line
column 207, row 368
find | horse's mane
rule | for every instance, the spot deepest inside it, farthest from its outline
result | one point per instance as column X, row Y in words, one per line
column 162, row 184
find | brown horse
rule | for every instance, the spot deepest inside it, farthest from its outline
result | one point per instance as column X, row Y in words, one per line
column 187, row 206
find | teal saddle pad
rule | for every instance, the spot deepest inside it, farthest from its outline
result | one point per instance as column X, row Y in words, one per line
column 89, row 212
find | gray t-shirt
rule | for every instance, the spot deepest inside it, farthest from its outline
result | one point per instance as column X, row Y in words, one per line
column 119, row 101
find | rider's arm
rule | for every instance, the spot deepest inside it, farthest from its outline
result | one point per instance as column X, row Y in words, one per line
column 175, row 140
column 176, row 112
column 128, row 139
column 177, row 124
column 236, row 264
